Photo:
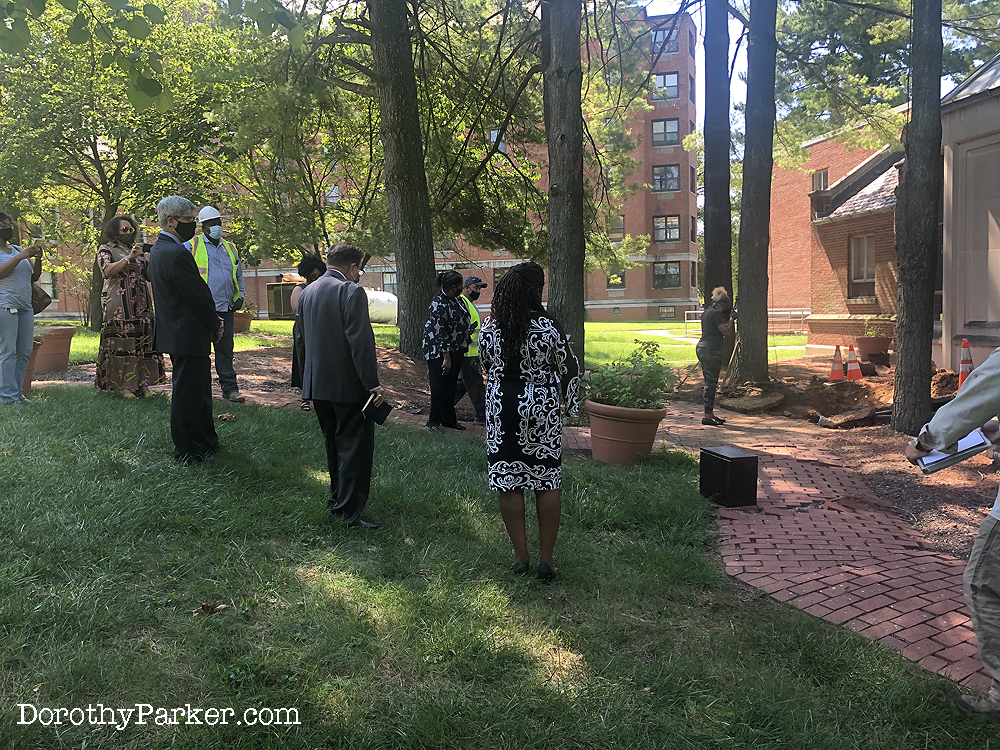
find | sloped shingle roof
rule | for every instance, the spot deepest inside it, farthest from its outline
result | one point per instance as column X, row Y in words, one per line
column 878, row 195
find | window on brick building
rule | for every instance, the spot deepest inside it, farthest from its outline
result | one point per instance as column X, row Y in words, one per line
column 694, row 273
column 666, row 177
column 614, row 130
column 691, row 41
column 666, row 132
column 501, row 141
column 862, row 267
column 664, row 40
column 666, row 86
column 691, row 129
column 666, row 228
column 389, row 282
column 616, row 229
column 694, row 229
column 821, row 179
column 48, row 282
column 668, row 312
column 691, row 88
column 694, row 179
column 667, row 275
column 616, row 280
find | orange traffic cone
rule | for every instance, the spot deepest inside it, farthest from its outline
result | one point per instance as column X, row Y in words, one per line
column 837, row 366
column 966, row 369
column 853, row 368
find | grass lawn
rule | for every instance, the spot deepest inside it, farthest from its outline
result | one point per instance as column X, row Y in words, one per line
column 263, row 333
column 606, row 342
column 414, row 636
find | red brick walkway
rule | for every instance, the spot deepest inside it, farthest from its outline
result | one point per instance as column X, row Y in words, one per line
column 820, row 540
column 817, row 539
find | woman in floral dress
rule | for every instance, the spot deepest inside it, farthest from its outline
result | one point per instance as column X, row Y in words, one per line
column 126, row 362
column 530, row 367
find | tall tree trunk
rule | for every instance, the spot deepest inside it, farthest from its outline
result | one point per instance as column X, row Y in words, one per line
column 918, row 214
column 718, row 210
column 562, row 81
column 405, row 178
column 755, row 211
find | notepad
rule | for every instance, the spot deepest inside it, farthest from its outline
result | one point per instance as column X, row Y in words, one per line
column 973, row 443
column 377, row 413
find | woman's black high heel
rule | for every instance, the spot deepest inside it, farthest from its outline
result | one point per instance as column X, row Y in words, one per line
column 520, row 568
column 546, row 573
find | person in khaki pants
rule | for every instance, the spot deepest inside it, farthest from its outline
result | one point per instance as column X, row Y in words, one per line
column 977, row 404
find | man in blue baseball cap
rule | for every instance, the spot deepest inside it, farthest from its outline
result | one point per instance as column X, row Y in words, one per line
column 471, row 378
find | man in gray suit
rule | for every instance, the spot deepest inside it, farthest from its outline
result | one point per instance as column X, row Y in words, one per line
column 339, row 375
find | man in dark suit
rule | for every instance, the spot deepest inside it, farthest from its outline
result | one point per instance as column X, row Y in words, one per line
column 339, row 375
column 186, row 326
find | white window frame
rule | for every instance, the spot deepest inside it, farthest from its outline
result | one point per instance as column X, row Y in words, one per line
column 821, row 179
column 863, row 254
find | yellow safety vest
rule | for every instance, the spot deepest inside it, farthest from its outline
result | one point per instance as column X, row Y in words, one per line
column 476, row 325
column 200, row 253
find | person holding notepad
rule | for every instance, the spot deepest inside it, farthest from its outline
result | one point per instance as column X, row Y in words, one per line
column 975, row 405
column 340, row 377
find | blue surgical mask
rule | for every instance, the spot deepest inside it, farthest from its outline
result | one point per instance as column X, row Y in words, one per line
column 215, row 232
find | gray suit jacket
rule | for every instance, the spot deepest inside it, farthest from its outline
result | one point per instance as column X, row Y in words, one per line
column 338, row 344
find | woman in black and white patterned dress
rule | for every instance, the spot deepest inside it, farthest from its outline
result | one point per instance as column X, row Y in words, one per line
column 530, row 367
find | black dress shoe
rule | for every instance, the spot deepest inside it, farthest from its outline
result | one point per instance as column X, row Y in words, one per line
column 359, row 524
column 545, row 573
column 456, row 426
column 520, row 568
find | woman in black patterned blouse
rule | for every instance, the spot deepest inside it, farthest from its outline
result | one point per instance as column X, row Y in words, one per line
column 446, row 339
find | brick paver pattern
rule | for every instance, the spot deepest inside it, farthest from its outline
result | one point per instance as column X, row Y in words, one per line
column 817, row 539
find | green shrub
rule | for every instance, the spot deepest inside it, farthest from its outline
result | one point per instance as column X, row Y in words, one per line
column 636, row 382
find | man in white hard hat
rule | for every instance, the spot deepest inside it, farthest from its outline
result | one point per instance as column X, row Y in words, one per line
column 220, row 267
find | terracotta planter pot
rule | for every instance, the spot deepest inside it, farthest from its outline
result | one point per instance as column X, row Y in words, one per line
column 241, row 321
column 54, row 351
column 30, row 374
column 868, row 345
column 622, row 436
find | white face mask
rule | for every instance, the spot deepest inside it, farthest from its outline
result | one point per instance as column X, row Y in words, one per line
column 215, row 232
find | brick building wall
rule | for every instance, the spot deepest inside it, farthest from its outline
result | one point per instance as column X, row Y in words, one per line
column 792, row 234
column 837, row 316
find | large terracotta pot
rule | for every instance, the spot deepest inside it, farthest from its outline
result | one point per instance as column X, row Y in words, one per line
column 868, row 345
column 54, row 351
column 619, row 435
column 30, row 374
column 241, row 322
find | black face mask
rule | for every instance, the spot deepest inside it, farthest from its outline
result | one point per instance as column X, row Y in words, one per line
column 473, row 295
column 185, row 230
column 7, row 234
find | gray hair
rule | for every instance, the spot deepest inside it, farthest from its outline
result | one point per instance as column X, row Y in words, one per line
column 173, row 206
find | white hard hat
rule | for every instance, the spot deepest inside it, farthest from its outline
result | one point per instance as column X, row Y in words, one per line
column 208, row 213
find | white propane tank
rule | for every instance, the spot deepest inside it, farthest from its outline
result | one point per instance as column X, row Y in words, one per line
column 382, row 306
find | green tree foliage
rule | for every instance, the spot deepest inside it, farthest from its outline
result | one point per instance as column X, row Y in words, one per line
column 842, row 62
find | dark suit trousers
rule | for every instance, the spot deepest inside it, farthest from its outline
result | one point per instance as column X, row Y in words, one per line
column 350, row 447
column 443, row 390
column 471, row 382
column 191, row 425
